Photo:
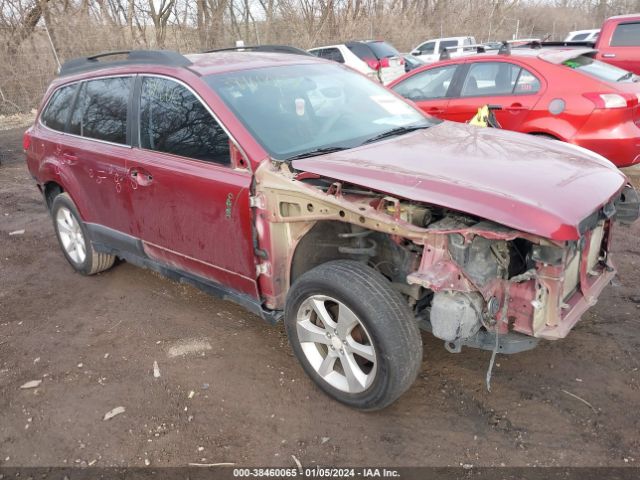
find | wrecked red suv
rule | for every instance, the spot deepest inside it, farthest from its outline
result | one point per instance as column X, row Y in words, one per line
column 302, row 190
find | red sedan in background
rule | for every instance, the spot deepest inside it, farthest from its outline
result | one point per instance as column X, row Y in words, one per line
column 561, row 93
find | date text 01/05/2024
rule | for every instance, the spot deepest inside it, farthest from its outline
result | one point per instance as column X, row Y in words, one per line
column 315, row 472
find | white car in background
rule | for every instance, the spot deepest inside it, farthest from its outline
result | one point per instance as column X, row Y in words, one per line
column 375, row 58
column 583, row 35
column 430, row 50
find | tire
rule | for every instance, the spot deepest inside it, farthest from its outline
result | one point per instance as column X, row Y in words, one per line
column 74, row 239
column 385, row 333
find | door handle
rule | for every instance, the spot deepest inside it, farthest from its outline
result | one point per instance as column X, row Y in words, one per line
column 609, row 55
column 435, row 110
column 515, row 107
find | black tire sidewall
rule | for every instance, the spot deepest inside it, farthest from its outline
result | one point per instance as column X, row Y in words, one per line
column 381, row 391
column 63, row 200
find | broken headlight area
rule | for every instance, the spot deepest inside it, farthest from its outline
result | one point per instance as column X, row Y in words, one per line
column 482, row 281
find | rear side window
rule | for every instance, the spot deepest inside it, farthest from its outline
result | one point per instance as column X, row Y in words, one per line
column 626, row 35
column 383, row 49
column 332, row 54
column 427, row 85
column 173, row 120
column 101, row 110
column 448, row 43
column 599, row 70
column 498, row 78
column 57, row 111
column 362, row 51
column 427, row 48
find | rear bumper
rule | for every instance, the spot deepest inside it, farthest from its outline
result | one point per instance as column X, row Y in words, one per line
column 618, row 141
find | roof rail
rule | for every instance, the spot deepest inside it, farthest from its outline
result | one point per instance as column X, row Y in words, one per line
column 155, row 57
column 540, row 44
column 262, row 48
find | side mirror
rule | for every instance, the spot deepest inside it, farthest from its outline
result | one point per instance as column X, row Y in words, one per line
column 415, row 53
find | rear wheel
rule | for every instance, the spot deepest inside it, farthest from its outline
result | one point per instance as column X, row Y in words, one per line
column 73, row 238
column 353, row 334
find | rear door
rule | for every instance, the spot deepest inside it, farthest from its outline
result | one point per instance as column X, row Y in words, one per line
column 623, row 48
column 499, row 83
column 191, row 206
column 94, row 151
column 430, row 89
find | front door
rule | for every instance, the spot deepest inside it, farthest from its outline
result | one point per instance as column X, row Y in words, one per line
column 428, row 89
column 191, row 208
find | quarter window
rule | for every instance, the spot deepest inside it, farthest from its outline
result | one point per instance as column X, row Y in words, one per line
column 428, row 84
column 173, row 120
column 527, row 82
column 57, row 112
column 626, row 35
column 101, row 110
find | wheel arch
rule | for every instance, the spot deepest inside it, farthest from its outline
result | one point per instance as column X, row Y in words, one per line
column 51, row 189
column 320, row 244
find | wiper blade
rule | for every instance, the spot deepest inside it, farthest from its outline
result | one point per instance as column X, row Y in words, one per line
column 393, row 132
column 314, row 152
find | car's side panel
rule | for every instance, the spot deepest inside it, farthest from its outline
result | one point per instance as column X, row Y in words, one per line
column 195, row 216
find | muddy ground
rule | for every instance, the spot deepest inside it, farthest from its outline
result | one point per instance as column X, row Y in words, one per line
column 93, row 342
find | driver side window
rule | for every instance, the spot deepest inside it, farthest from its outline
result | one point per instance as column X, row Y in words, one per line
column 427, row 85
column 427, row 48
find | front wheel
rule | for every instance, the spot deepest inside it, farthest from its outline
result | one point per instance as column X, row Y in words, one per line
column 353, row 334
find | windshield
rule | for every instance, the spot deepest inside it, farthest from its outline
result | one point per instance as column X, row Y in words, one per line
column 599, row 70
column 295, row 109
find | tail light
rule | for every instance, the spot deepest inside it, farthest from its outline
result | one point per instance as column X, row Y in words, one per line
column 26, row 140
column 373, row 64
column 613, row 100
column 384, row 62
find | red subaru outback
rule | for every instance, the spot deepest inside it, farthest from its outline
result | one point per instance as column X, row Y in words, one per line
column 302, row 190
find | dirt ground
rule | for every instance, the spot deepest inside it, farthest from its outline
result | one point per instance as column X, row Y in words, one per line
column 240, row 396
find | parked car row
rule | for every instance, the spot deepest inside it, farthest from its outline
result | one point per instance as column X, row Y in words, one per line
column 576, row 91
column 564, row 94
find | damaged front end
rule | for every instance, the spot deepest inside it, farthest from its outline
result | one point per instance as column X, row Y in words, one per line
column 468, row 280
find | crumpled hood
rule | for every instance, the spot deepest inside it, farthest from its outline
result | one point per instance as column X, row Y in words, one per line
column 528, row 183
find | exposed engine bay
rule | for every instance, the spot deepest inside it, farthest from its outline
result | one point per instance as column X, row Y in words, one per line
column 467, row 279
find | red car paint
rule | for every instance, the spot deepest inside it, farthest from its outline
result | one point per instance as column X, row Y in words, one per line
column 611, row 132
column 447, row 165
column 616, row 51
column 197, row 217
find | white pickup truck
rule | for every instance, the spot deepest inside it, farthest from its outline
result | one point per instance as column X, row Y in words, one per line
column 430, row 50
